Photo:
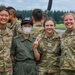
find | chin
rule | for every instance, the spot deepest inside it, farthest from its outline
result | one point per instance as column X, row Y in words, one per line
column 49, row 32
column 69, row 27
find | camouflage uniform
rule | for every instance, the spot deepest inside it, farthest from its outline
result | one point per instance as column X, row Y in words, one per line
column 15, row 27
column 36, row 30
column 67, row 62
column 5, row 44
column 50, row 46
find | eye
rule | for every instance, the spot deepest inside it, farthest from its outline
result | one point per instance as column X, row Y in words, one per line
column 46, row 25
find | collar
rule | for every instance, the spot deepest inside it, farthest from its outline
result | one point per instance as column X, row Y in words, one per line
column 35, row 25
column 23, row 39
column 53, row 35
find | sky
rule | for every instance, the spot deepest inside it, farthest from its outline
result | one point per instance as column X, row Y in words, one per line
column 62, row 5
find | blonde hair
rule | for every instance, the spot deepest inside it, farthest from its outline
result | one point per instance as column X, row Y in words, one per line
column 69, row 13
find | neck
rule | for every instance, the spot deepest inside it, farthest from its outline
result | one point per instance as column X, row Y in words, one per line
column 2, row 26
column 49, row 34
column 37, row 23
column 26, row 36
column 12, row 20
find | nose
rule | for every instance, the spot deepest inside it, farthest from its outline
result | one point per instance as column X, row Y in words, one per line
column 4, row 17
column 68, row 20
column 49, row 26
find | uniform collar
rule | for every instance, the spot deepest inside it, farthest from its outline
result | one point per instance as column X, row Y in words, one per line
column 53, row 35
column 29, row 39
column 35, row 25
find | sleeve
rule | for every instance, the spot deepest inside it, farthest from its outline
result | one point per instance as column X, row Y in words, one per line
column 13, row 48
column 18, row 28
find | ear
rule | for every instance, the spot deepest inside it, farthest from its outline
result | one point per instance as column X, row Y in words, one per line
column 32, row 18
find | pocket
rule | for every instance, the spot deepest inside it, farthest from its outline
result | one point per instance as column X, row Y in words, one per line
column 16, row 68
column 34, row 70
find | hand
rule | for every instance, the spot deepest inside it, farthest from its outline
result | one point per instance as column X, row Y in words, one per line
column 35, row 44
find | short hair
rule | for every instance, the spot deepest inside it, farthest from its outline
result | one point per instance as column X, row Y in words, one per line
column 19, row 16
column 48, row 19
column 37, row 14
column 12, row 10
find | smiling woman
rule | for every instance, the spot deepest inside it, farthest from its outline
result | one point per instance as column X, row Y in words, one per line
column 4, row 17
column 50, row 46
column 5, row 43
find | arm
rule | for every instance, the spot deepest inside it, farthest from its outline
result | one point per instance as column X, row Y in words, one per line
column 12, row 54
column 12, row 59
column 36, row 52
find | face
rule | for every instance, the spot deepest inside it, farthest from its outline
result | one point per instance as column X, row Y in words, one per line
column 11, row 14
column 69, row 21
column 4, row 17
column 26, row 28
column 49, row 27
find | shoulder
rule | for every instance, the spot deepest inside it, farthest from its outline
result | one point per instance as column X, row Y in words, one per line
column 56, row 34
column 17, row 37
column 18, row 22
column 9, row 32
column 33, row 37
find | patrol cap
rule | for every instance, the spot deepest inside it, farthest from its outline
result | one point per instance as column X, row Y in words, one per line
column 26, row 22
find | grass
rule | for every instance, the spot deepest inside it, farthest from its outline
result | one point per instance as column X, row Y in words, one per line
column 60, row 26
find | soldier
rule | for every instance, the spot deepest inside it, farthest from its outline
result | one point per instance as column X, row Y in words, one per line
column 14, row 24
column 23, row 52
column 36, row 18
column 5, row 43
column 67, row 62
column 50, row 46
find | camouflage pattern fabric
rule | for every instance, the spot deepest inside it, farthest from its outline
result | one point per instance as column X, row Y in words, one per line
column 50, row 47
column 36, row 30
column 67, row 72
column 15, row 27
column 6, row 73
column 5, row 44
column 67, row 61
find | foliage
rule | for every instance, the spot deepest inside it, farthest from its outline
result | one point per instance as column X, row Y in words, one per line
column 60, row 26
column 56, row 15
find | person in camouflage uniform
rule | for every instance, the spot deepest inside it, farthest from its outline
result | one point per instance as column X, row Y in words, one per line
column 14, row 24
column 37, row 25
column 50, row 45
column 67, row 62
column 5, row 43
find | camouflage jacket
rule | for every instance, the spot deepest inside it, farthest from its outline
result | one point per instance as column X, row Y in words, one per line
column 50, row 47
column 68, row 50
column 5, row 44
column 15, row 27
column 36, row 30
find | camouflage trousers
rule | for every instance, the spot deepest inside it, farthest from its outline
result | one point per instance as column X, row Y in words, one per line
column 6, row 73
column 67, row 72
column 45, row 73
